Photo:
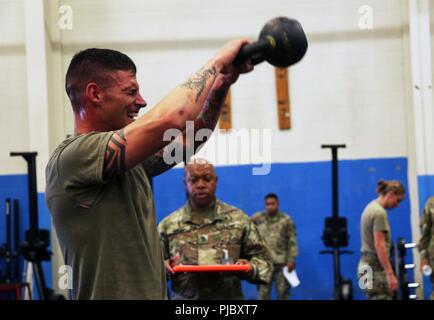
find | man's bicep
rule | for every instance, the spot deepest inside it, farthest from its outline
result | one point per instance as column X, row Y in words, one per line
column 125, row 150
column 114, row 158
column 81, row 162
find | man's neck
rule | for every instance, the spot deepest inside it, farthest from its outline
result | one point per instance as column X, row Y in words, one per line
column 83, row 127
column 272, row 214
column 85, row 122
column 202, row 213
column 203, row 208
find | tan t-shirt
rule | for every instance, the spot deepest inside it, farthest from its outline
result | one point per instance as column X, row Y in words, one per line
column 374, row 219
column 106, row 229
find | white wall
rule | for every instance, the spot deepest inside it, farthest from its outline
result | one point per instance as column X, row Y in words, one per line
column 349, row 88
column 13, row 87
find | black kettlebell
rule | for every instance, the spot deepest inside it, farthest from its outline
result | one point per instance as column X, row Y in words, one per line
column 282, row 43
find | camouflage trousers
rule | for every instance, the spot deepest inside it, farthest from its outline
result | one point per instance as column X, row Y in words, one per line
column 282, row 285
column 373, row 279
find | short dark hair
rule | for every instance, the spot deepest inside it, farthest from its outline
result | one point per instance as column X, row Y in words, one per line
column 93, row 64
column 271, row 195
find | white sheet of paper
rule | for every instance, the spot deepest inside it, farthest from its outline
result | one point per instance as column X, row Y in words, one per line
column 291, row 277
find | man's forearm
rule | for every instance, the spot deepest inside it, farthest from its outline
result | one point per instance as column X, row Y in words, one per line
column 207, row 119
column 186, row 101
column 157, row 164
column 144, row 136
column 210, row 113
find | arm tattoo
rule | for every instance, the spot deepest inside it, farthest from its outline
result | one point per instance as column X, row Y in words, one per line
column 198, row 81
column 210, row 113
column 207, row 118
column 114, row 161
column 156, row 164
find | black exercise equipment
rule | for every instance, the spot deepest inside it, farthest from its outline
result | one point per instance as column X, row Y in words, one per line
column 281, row 43
column 335, row 233
column 10, row 278
column 35, row 247
column 16, row 252
column 6, row 248
column 401, row 273
column 398, row 254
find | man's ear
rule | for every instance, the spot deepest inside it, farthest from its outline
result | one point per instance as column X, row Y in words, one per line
column 186, row 188
column 93, row 92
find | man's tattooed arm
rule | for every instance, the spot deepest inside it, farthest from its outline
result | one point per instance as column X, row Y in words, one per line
column 198, row 81
column 210, row 113
column 156, row 164
column 207, row 119
column 114, row 161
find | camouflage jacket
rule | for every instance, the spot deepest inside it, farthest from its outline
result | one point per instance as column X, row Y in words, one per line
column 280, row 234
column 426, row 242
column 225, row 236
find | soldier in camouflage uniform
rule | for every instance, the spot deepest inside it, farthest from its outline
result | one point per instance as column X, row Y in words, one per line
column 207, row 231
column 426, row 242
column 280, row 233
column 375, row 272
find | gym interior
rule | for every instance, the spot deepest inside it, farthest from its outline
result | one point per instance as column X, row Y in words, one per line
column 320, row 133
